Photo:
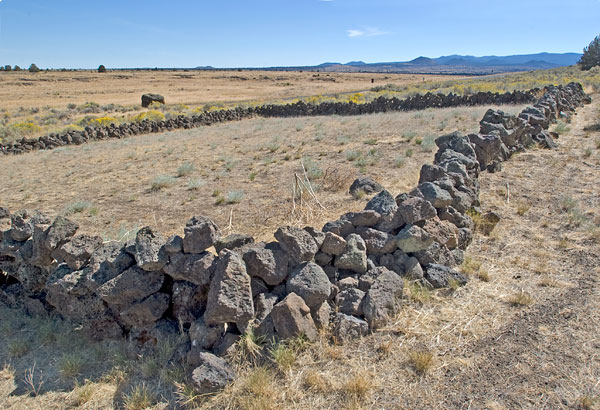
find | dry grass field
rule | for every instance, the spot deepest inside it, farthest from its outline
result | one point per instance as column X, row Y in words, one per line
column 194, row 88
column 240, row 174
column 521, row 334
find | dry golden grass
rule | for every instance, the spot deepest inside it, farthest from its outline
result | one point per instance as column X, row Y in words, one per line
column 194, row 88
column 241, row 172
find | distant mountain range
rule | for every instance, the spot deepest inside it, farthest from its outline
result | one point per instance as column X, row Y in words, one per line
column 453, row 64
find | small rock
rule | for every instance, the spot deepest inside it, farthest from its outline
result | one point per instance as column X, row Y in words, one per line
column 233, row 241
column 441, row 276
column 226, row 344
column 258, row 286
column 414, row 209
column 413, row 239
column 146, row 312
column 22, row 223
column 195, row 268
column 4, row 213
column 188, row 300
column 268, row 263
column 200, row 234
column 382, row 301
column 148, row 99
column 213, row 374
column 437, row 196
column 333, row 244
column 291, row 317
column 78, row 251
column 365, row 184
column 131, row 286
column 354, row 256
column 348, row 301
column 385, row 204
column 321, row 315
column 298, row 243
column 347, row 283
column 340, row 227
column 443, row 232
column 311, row 283
column 349, row 327
column 203, row 336
column 323, row 259
column 363, row 218
column 264, row 305
column 61, row 230
column 230, row 294
column 174, row 244
column 317, row 235
column 487, row 222
column 149, row 254
column 377, row 242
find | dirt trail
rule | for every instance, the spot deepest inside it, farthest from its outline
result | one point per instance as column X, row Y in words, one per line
column 548, row 356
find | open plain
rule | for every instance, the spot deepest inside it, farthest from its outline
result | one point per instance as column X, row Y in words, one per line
column 194, row 88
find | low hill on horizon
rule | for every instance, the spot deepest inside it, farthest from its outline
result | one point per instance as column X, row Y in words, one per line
column 452, row 64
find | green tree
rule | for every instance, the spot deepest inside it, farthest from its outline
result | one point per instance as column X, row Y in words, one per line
column 101, row 69
column 34, row 69
column 7, row 68
column 591, row 55
column 17, row 68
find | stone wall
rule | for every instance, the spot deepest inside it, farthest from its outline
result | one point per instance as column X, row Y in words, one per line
column 349, row 275
column 418, row 102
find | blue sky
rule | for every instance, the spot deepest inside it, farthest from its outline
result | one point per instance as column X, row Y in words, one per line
column 246, row 33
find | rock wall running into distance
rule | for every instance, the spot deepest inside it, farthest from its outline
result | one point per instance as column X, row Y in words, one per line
column 348, row 275
column 381, row 104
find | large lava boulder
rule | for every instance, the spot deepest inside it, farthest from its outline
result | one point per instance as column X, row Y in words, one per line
column 148, row 99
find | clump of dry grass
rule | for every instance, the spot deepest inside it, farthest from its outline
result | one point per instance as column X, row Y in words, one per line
column 522, row 208
column 71, row 365
column 139, row 398
column 283, row 356
column 315, row 381
column 520, row 299
column 81, row 395
column 588, row 402
column 161, row 182
column 421, row 360
column 18, row 348
column 358, row 385
column 417, row 293
column 472, row 267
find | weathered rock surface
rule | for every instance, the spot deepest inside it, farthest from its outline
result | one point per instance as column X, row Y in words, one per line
column 441, row 276
column 270, row 263
column 291, row 317
column 196, row 268
column 354, row 256
column 149, row 254
column 348, row 327
column 382, row 301
column 230, row 294
column 213, row 374
column 413, row 239
column 200, row 234
column 299, row 244
column 365, row 184
column 148, row 99
column 311, row 283
column 130, row 287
